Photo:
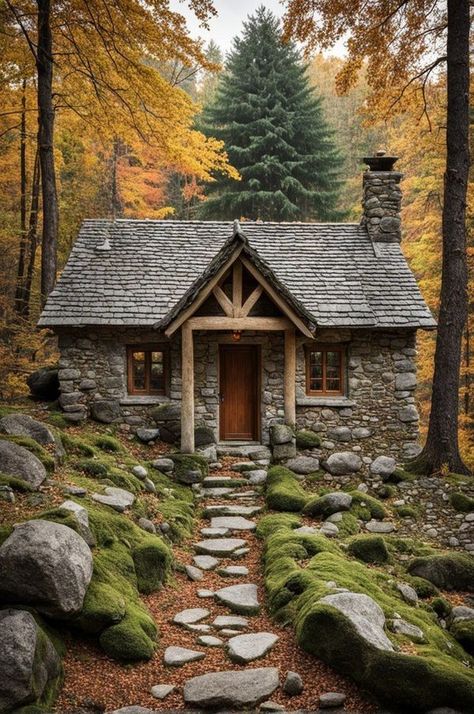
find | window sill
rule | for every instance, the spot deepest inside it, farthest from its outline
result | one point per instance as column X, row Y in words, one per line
column 143, row 399
column 341, row 402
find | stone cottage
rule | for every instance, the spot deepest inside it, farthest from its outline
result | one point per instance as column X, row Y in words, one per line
column 238, row 327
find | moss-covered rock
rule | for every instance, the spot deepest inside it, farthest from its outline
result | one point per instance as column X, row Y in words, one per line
column 92, row 467
column 16, row 484
column 366, row 507
column 46, row 458
column 448, row 571
column 406, row 511
column 76, row 445
column 386, row 491
column 400, row 475
column 273, row 521
column 108, row 443
column 328, row 504
column 103, row 607
column 461, row 503
column 152, row 559
column 133, row 638
column 284, row 492
column 307, row 439
column 186, row 463
column 463, row 632
column 441, row 606
column 369, row 549
column 204, row 435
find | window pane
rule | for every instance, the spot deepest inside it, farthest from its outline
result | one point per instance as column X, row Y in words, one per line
column 315, row 371
column 333, row 371
column 156, row 372
column 138, row 370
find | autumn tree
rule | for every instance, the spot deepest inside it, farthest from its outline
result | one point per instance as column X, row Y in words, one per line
column 404, row 44
column 273, row 127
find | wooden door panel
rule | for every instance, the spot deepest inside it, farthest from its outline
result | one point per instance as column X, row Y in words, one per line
column 239, row 392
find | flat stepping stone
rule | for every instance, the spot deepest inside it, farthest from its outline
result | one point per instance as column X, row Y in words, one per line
column 243, row 466
column 257, row 477
column 219, row 546
column 205, row 593
column 222, row 481
column 205, row 562
column 240, row 598
column 226, row 632
column 331, row 700
column 241, row 551
column 190, row 616
column 210, row 641
column 117, row 498
column 234, row 689
column 233, row 571
column 198, row 628
column 160, row 691
column 244, row 495
column 226, row 509
column 193, row 573
column 233, row 621
column 177, row 656
column 246, row 648
column 270, row 706
column 214, row 532
column 380, row 527
column 218, row 492
column 233, row 523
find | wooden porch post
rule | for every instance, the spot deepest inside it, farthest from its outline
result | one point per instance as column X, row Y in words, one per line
column 187, row 389
column 290, row 376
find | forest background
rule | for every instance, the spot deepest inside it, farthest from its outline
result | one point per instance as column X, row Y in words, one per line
column 108, row 164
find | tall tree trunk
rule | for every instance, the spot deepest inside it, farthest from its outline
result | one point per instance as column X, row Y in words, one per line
column 32, row 238
column 23, row 182
column 442, row 447
column 44, row 66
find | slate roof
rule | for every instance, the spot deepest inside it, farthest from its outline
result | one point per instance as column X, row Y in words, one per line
column 333, row 271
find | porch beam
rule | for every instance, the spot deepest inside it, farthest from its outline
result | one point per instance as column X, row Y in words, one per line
column 187, row 389
column 237, row 287
column 290, row 376
column 223, row 301
column 240, row 323
column 250, row 302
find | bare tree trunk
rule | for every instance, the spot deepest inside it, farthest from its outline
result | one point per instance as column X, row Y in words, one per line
column 32, row 238
column 442, row 446
column 44, row 66
column 23, row 183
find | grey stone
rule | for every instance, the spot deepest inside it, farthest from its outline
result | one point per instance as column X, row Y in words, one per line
column 342, row 462
column 147, row 525
column 340, row 433
column 233, row 571
column 210, row 641
column 205, row 593
column 383, row 466
column 281, row 434
column 133, row 709
column 232, row 688
column 270, row 706
column 87, row 384
column 28, row 660
column 105, row 410
column 203, row 436
column 364, row 613
column 408, row 413
column 231, row 510
column 223, row 481
column 257, row 477
column 303, row 464
column 281, row 452
column 461, row 612
column 193, row 573
column 208, row 452
column 361, row 432
column 329, row 529
column 335, row 502
column 190, row 616
column 240, row 598
column 306, row 530
column 405, row 381
column 117, row 498
column 219, row 546
column 24, row 425
column 234, row 622
column 205, row 562
column 146, row 435
column 160, row 691
column 17, row 461
column 7, row 494
column 242, row 466
column 177, row 656
column 246, row 648
column 149, row 486
column 44, row 383
column 331, row 700
column 402, row 627
column 201, row 628
column 140, row 471
column 233, row 523
column 293, row 684
column 379, row 526
column 77, row 491
column 214, row 532
column 163, row 464
column 47, row 565
column 82, row 518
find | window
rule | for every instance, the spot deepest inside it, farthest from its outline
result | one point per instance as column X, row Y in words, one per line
column 148, row 367
column 325, row 370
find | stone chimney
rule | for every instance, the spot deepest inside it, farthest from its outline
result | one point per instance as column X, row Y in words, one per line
column 382, row 199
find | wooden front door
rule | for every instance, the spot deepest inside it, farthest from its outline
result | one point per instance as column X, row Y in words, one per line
column 239, row 392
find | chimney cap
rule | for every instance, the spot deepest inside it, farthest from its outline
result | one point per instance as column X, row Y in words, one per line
column 380, row 162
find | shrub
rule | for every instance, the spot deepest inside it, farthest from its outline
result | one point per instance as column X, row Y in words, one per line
column 369, row 549
column 284, row 492
column 307, row 439
column 462, row 503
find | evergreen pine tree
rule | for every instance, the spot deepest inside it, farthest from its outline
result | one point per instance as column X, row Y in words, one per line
column 274, row 131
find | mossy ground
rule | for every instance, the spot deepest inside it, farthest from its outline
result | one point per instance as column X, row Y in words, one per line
column 284, row 492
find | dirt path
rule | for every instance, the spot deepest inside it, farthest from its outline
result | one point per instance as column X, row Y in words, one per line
column 92, row 679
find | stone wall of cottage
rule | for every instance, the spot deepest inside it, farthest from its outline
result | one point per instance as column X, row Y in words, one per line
column 378, row 415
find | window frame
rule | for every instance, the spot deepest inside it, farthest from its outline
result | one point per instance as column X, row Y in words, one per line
column 324, row 348
column 147, row 348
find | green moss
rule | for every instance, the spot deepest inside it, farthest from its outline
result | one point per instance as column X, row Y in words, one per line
column 108, row 443
column 5, row 532
column 15, row 483
column 103, row 606
column 41, row 453
column 406, row 512
column 441, row 606
column 92, row 467
column 175, row 503
column 152, row 559
column 400, row 475
column 463, row 632
column 349, row 525
column 75, row 445
column 306, row 439
column 273, row 521
column 448, row 571
column 133, row 638
column 124, row 480
column 284, row 492
column 369, row 549
column 424, row 589
column 188, row 462
column 386, row 491
column 366, row 507
column 461, row 503
column 56, row 419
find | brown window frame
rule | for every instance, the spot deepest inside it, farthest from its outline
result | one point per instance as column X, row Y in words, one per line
column 147, row 348
column 324, row 348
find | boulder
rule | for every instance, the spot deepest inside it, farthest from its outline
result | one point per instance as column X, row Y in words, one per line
column 257, row 477
column 342, row 462
column 117, row 498
column 383, row 466
column 281, row 452
column 146, row 435
column 147, row 525
column 163, row 464
column 340, row 433
column 365, row 615
column 451, row 571
column 24, row 425
column 307, row 439
column 234, row 689
column 44, row 384
column 408, row 593
column 328, row 504
column 81, row 517
column 281, row 434
column 47, row 565
column 29, row 663
column 303, row 465
column 204, row 435
column 402, row 627
column 17, row 461
column 105, row 411
column 140, row 472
